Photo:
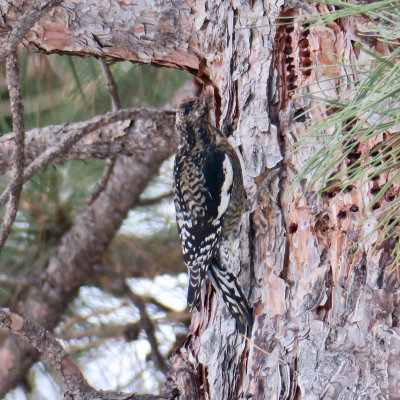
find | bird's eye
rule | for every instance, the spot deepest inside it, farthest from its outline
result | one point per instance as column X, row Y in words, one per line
column 187, row 108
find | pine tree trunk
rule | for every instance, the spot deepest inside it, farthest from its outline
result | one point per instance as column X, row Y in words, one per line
column 326, row 317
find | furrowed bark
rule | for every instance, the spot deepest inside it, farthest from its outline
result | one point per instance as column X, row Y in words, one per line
column 18, row 159
column 26, row 20
column 157, row 32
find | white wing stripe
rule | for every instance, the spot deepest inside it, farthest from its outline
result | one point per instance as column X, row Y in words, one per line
column 226, row 187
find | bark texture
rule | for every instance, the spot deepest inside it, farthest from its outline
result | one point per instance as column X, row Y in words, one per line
column 327, row 323
column 126, row 132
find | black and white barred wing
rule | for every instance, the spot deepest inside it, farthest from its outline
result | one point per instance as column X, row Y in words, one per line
column 228, row 286
column 202, row 195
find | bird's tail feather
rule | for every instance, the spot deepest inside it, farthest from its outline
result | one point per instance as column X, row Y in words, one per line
column 194, row 289
column 227, row 285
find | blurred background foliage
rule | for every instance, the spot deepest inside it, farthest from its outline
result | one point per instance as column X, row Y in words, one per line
column 100, row 322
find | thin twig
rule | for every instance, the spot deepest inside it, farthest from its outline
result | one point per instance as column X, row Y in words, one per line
column 102, row 184
column 78, row 319
column 146, row 323
column 149, row 329
column 116, row 105
column 118, row 329
column 154, row 200
column 103, row 331
column 111, row 85
column 17, row 111
column 11, row 280
column 24, row 25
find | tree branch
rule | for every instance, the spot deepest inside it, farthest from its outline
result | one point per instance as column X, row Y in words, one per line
column 51, row 350
column 13, row 280
column 24, row 25
column 127, row 331
column 101, row 185
column 129, row 132
column 109, row 331
column 56, row 356
column 148, row 326
column 71, row 137
column 155, row 200
column 17, row 111
column 70, row 267
column 163, row 44
column 153, row 140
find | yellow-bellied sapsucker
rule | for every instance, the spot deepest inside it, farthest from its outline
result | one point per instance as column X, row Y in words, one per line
column 209, row 200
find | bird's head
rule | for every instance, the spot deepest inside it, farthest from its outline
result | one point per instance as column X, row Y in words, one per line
column 192, row 111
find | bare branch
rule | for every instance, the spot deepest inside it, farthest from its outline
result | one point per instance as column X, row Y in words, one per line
column 149, row 329
column 17, row 111
column 111, row 85
column 24, row 25
column 101, row 330
column 51, row 350
column 129, row 132
column 56, row 356
column 102, row 184
column 155, row 200
column 123, row 330
column 72, row 136
column 12, row 280
column 76, row 319
column 79, row 249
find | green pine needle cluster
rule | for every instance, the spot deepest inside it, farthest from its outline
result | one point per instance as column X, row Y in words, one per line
column 373, row 109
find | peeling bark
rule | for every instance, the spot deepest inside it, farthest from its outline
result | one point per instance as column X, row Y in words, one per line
column 26, row 21
column 144, row 31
